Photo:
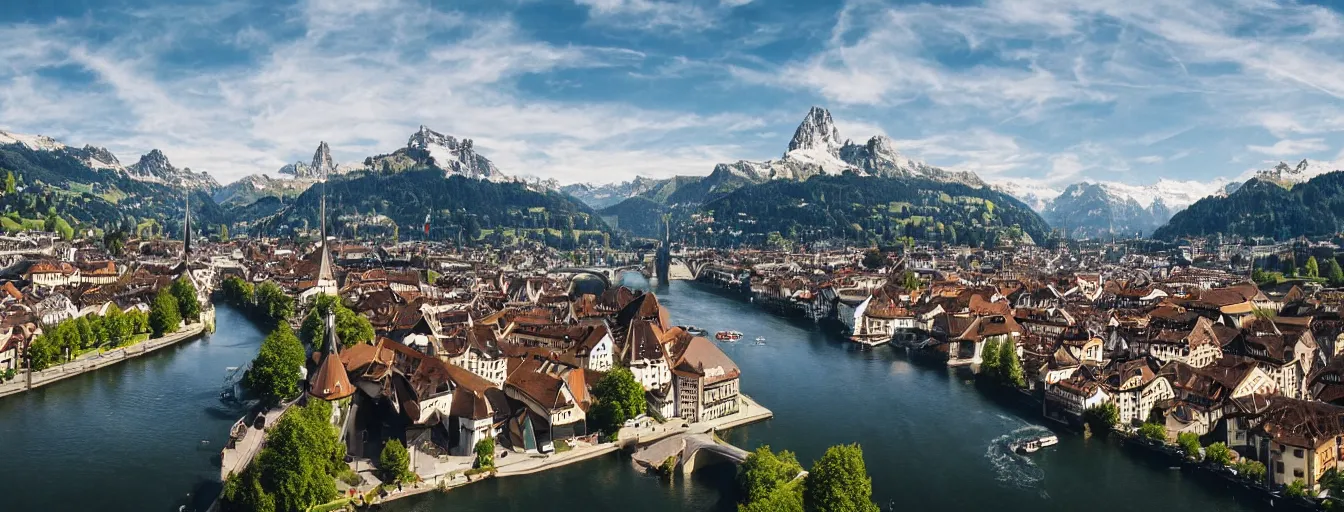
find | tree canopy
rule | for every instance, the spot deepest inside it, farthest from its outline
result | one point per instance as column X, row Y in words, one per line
column 187, row 303
column 273, row 302
column 296, row 469
column 619, row 398
column 351, row 328
column 164, row 316
column 839, row 482
column 764, row 472
column 275, row 372
column 395, row 461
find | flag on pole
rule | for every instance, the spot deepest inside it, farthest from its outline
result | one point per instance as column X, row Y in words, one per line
column 426, row 225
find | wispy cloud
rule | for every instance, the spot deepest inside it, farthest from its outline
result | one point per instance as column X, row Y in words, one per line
column 1290, row 147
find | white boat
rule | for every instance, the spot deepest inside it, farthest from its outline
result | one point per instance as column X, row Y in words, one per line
column 760, row 340
column 1034, row 445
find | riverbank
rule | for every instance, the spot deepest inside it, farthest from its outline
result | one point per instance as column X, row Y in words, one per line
column 91, row 362
column 512, row 464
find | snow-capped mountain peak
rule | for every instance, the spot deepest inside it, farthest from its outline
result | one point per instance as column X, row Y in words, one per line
column 453, row 155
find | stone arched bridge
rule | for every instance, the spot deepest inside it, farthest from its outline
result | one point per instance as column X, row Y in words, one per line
column 691, row 450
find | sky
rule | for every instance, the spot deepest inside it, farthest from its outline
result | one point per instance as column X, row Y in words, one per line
column 1038, row 93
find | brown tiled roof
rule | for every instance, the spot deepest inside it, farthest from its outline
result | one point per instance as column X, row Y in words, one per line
column 1300, row 422
column 699, row 355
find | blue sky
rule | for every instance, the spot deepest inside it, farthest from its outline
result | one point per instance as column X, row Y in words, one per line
column 1043, row 92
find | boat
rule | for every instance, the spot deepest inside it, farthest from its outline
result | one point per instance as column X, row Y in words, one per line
column 1034, row 445
column 695, row 331
column 728, row 335
column 760, row 340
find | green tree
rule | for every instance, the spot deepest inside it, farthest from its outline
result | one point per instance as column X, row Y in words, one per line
column 910, row 281
column 764, row 472
column 351, row 328
column 119, row 326
column 485, row 453
column 1297, row 489
column 10, row 187
column 1153, row 431
column 1313, row 269
column 302, row 454
column 237, row 291
column 1189, row 444
column 244, row 493
column 1333, row 273
column 1251, row 470
column 839, row 482
column 788, row 498
column 115, row 242
column 395, row 462
column 224, row 232
column 874, row 259
column 43, row 352
column 619, row 398
column 187, row 303
column 1010, row 367
column 989, row 361
column 273, row 301
column 1219, row 453
column 1102, row 417
column 275, row 372
column 1259, row 276
column 163, row 314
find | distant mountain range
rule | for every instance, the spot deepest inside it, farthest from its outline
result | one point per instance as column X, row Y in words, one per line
column 151, row 186
column 1280, row 203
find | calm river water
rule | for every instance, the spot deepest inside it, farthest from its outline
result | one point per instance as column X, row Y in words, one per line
column 931, row 440
column 144, row 435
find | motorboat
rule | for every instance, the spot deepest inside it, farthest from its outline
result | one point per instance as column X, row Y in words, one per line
column 728, row 335
column 1035, row 444
column 760, row 340
column 695, row 331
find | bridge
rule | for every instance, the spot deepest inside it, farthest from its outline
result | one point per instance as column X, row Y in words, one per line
column 691, row 451
column 607, row 275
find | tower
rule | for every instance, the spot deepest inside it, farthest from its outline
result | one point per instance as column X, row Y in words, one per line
column 186, row 237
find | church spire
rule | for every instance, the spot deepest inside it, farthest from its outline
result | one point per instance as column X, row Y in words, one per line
column 186, row 239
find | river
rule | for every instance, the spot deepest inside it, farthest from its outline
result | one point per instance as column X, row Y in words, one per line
column 130, row 437
column 142, row 435
column 931, row 440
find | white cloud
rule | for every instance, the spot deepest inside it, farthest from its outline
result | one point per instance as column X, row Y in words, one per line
column 1150, row 159
column 361, row 78
column 649, row 13
column 1291, row 147
column 734, row 3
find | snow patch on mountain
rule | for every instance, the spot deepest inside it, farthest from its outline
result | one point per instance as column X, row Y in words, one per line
column 454, row 156
column 33, row 142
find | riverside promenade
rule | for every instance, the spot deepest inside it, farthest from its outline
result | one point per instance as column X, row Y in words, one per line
column 93, row 361
column 446, row 473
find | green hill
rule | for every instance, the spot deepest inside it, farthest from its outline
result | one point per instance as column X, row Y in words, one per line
column 1262, row 208
column 864, row 210
column 458, row 208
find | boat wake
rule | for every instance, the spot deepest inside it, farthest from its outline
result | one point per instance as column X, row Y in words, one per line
column 1013, row 469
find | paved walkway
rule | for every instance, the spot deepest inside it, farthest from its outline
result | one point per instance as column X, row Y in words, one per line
column 93, row 361
column 235, row 460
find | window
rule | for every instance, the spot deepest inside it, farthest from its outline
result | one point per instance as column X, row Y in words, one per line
column 1297, row 473
column 1297, row 453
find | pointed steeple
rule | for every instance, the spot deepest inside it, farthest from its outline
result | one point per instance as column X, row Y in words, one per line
column 324, row 266
column 330, row 381
column 186, row 240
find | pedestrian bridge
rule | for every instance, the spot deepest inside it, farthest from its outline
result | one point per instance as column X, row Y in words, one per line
column 691, row 451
